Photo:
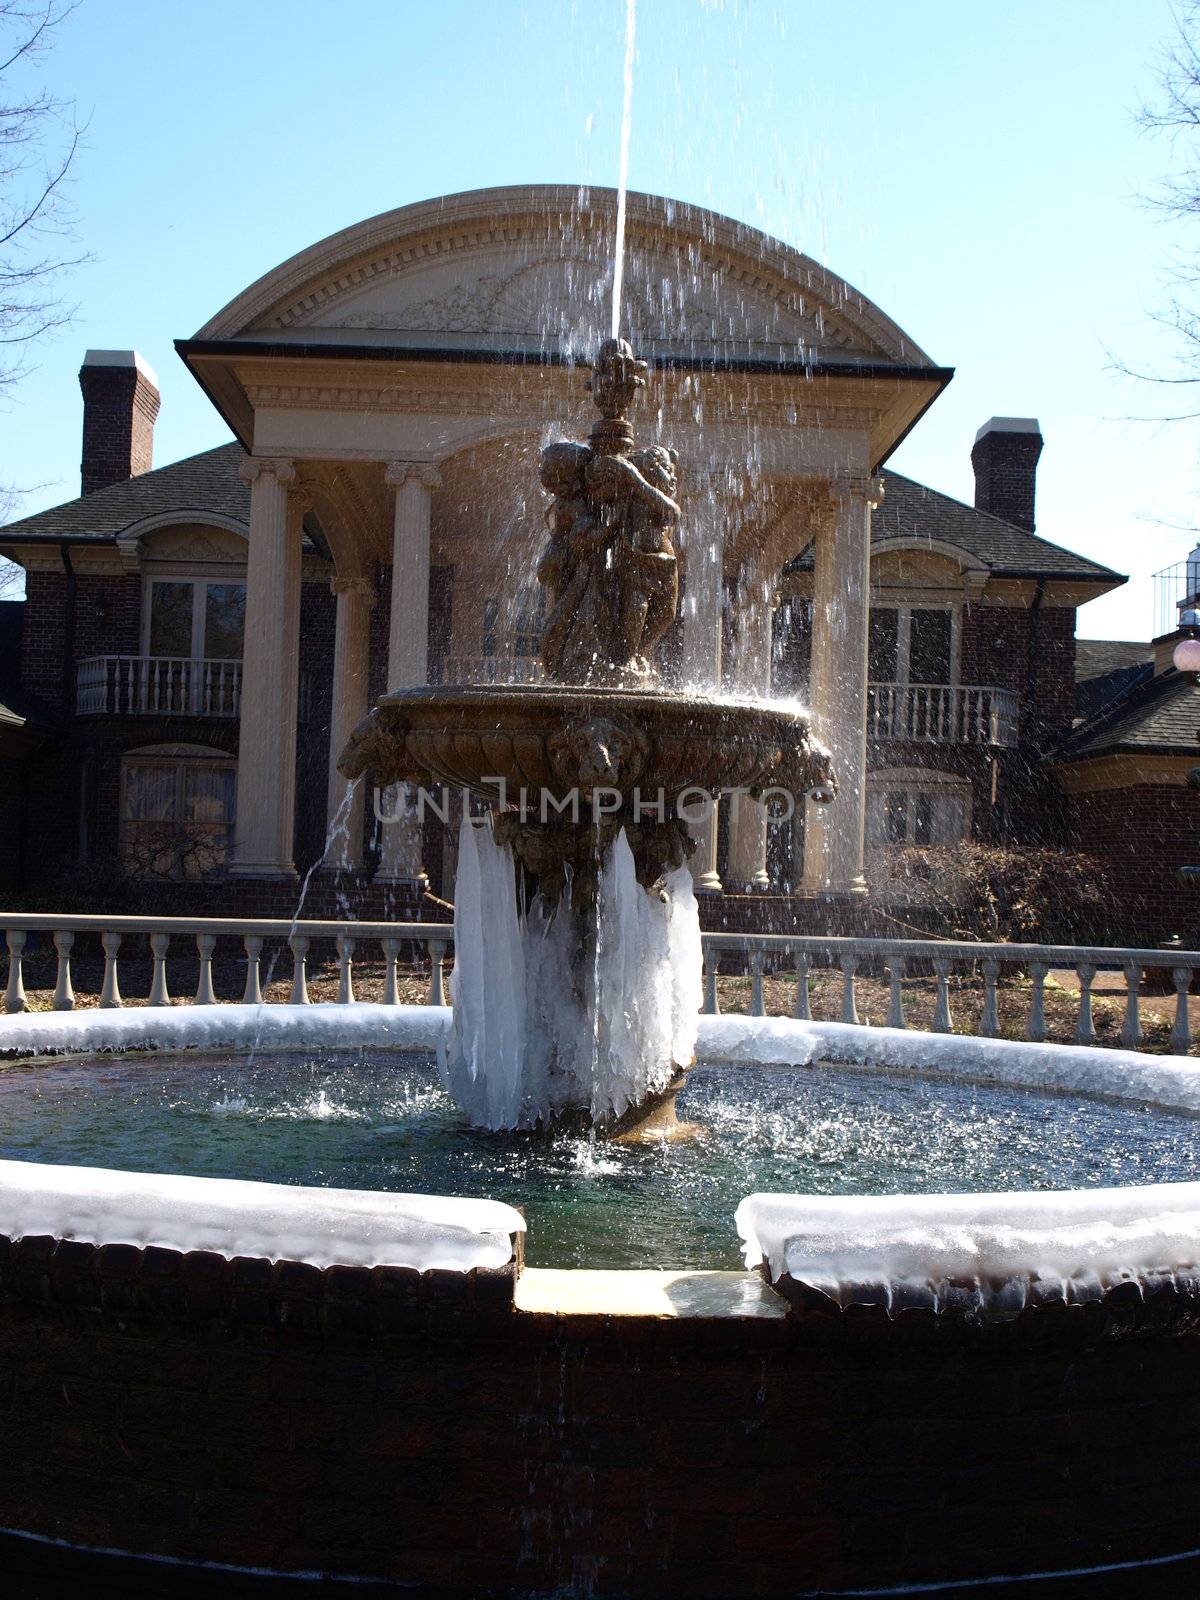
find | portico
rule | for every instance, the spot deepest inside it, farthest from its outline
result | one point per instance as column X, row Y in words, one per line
column 396, row 382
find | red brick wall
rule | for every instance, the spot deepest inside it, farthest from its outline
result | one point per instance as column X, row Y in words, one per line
column 421, row 1431
column 1147, row 833
column 1029, row 651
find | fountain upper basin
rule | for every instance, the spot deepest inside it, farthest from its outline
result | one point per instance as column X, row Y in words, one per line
column 558, row 739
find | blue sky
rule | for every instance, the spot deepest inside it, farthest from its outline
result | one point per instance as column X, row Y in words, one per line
column 974, row 169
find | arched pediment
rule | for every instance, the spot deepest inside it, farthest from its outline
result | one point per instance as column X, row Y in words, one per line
column 531, row 269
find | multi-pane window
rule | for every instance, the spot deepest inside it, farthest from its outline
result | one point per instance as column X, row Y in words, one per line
column 194, row 618
column 177, row 811
column 908, row 809
column 911, row 644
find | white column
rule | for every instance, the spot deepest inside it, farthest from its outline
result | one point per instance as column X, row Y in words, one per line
column 355, row 601
column 408, row 637
column 751, row 676
column 833, row 839
column 266, row 777
column 704, row 586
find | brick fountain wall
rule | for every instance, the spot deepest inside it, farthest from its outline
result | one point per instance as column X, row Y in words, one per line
column 418, row 1429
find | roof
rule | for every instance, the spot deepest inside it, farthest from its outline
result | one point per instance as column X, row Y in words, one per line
column 1097, row 658
column 1108, row 669
column 911, row 510
column 1159, row 716
column 203, row 484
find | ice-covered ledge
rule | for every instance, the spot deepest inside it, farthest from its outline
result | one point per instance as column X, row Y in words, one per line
column 981, row 1257
column 269, row 1221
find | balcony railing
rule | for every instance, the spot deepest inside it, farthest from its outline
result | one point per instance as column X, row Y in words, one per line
column 491, row 669
column 151, row 686
column 937, row 713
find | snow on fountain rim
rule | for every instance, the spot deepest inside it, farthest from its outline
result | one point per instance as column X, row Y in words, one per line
column 1064, row 1234
column 1172, row 1082
column 283, row 1222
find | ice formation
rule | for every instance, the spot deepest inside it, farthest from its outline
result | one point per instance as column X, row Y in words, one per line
column 1063, row 1234
column 533, row 1036
column 354, row 1227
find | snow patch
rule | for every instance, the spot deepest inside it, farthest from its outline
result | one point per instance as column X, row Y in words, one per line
column 323, row 1226
column 1060, row 1234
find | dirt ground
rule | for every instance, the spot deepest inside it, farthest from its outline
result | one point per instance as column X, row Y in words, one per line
column 734, row 993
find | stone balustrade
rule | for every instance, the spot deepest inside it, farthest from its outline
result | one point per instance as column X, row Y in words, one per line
column 427, row 944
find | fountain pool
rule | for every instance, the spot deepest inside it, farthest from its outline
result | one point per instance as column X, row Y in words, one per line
column 381, row 1120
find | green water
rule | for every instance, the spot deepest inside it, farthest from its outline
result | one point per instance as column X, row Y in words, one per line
column 383, row 1122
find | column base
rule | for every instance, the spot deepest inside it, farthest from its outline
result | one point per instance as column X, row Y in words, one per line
column 853, row 889
column 708, row 883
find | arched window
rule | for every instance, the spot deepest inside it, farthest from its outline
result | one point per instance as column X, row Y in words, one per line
column 177, row 810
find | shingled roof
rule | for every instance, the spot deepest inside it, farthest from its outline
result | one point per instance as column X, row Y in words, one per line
column 203, row 484
column 1159, row 717
column 913, row 511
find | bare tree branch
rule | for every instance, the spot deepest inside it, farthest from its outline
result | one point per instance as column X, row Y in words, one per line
column 39, row 142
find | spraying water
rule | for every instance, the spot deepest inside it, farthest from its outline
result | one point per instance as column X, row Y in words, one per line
column 623, row 170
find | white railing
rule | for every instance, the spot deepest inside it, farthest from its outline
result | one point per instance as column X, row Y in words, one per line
column 937, row 713
column 429, row 942
column 158, row 686
column 491, row 669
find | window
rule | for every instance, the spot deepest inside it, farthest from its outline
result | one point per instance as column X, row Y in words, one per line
column 177, row 810
column 912, row 645
column 906, row 807
column 194, row 619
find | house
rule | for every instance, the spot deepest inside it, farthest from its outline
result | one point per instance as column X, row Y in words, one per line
column 199, row 639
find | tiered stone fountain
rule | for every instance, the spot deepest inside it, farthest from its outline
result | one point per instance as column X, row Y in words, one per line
column 578, row 967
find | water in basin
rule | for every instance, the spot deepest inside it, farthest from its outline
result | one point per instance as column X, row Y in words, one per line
column 384, row 1122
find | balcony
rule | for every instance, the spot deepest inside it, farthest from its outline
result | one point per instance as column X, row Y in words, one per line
column 936, row 713
column 158, row 686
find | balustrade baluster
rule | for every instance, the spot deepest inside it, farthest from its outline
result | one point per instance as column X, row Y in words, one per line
column 1181, row 1032
column 849, row 999
column 712, row 1005
column 989, row 1022
column 206, row 943
column 14, row 994
column 110, row 989
column 1085, row 1028
column 437, row 977
column 1131, row 1027
column 299, row 947
column 1037, row 1002
column 252, row 995
column 345, row 949
column 757, row 1008
column 896, row 970
column 160, row 995
column 943, row 1022
column 391, row 954
column 802, row 1006
column 64, row 994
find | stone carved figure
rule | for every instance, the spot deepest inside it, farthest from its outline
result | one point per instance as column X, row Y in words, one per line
column 609, row 565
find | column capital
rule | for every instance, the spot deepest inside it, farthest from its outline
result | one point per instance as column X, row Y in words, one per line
column 354, row 583
column 857, row 487
column 399, row 472
column 253, row 467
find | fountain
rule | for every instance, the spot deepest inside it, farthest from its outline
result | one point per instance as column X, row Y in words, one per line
column 577, row 983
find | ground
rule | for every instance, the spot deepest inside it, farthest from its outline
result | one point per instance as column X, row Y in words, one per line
column 779, row 993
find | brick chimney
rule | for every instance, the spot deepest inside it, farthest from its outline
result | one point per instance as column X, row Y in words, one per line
column 1005, row 457
column 120, row 403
